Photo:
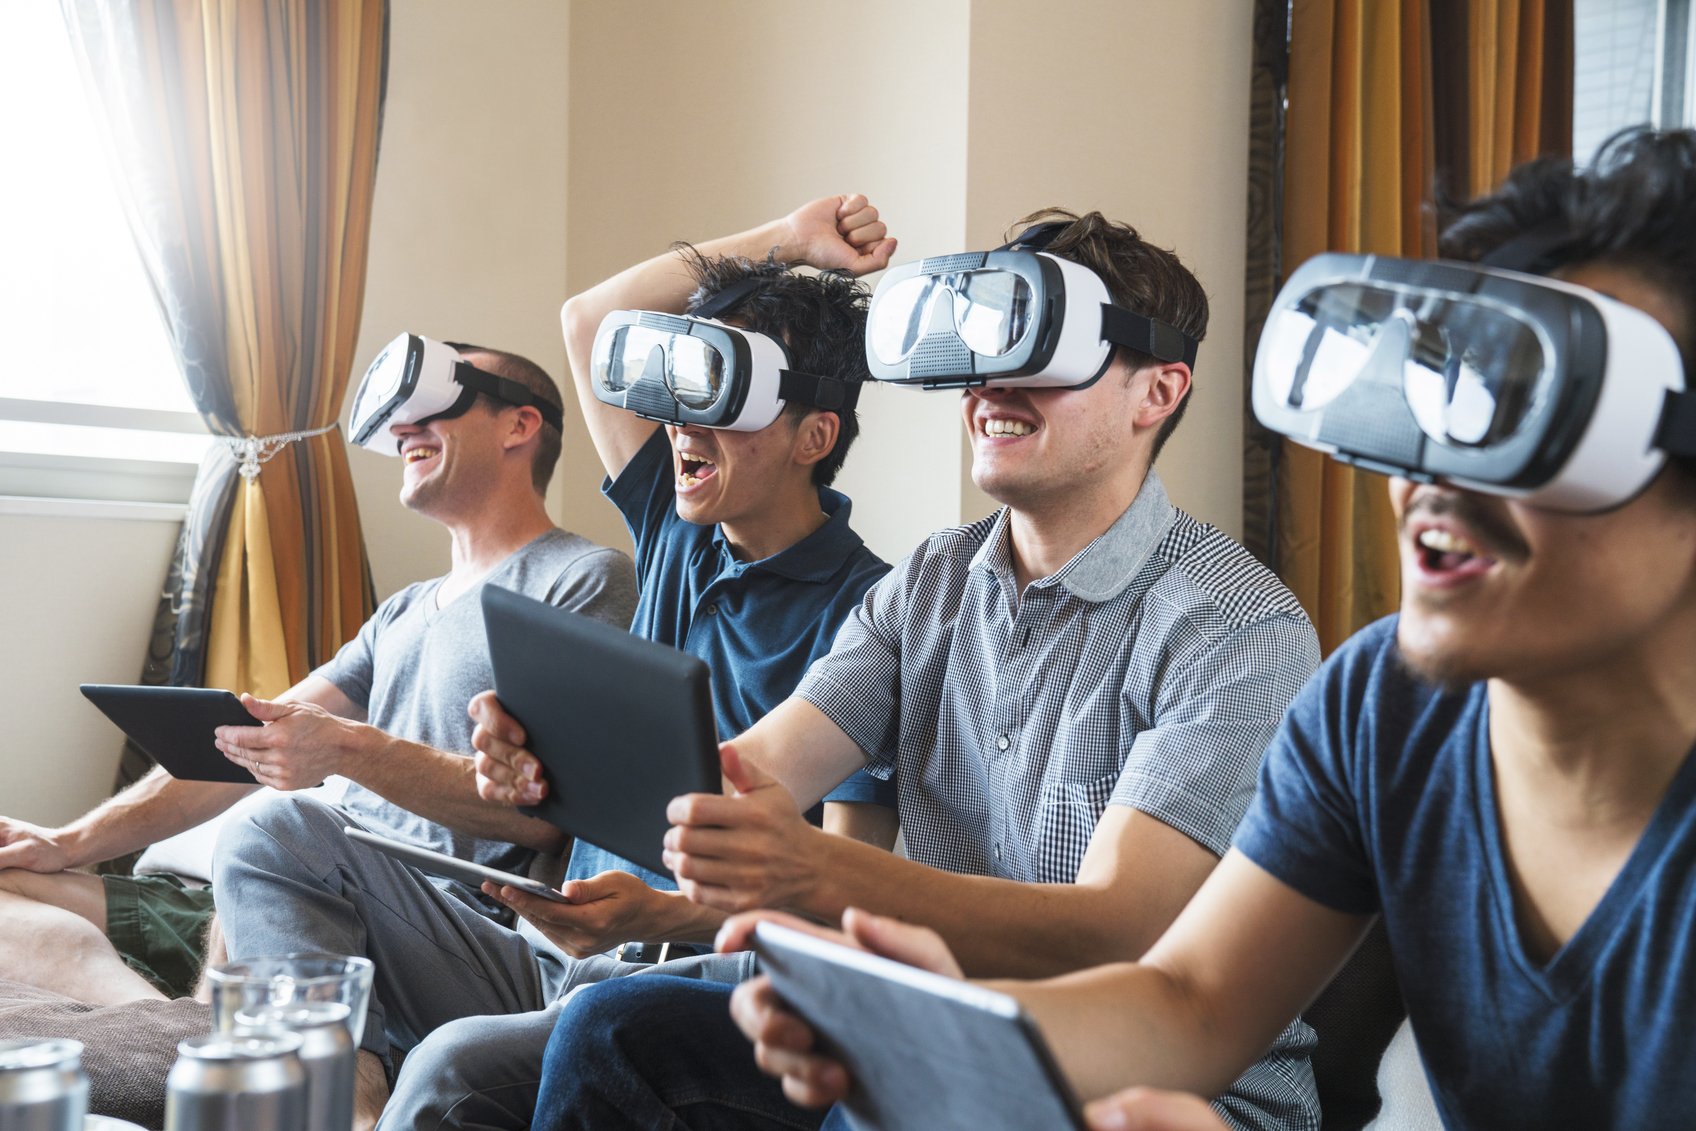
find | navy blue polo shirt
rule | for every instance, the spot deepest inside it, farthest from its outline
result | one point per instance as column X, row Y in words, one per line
column 758, row 625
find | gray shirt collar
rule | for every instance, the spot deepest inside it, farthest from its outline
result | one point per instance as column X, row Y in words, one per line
column 1104, row 568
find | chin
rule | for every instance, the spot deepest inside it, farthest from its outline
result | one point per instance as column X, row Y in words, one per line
column 1439, row 654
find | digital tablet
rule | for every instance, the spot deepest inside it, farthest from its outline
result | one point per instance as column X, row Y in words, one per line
column 174, row 726
column 620, row 724
column 922, row 1051
column 467, row 872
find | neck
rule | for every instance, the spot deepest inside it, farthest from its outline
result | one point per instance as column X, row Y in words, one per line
column 784, row 521
column 1048, row 533
column 1604, row 741
column 487, row 537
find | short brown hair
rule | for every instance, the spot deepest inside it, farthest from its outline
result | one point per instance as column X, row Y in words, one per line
column 1140, row 277
column 534, row 378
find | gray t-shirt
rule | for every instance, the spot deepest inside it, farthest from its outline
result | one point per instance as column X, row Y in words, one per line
column 414, row 667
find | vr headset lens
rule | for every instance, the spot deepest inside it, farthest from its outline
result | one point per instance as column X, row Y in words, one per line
column 693, row 370
column 1471, row 371
column 991, row 312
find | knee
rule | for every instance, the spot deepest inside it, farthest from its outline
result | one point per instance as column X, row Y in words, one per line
column 267, row 836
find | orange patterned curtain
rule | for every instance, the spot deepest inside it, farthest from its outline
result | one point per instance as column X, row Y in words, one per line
column 243, row 135
column 1388, row 99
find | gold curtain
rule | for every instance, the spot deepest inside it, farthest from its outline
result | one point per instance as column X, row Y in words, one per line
column 1358, row 164
column 244, row 138
column 1388, row 100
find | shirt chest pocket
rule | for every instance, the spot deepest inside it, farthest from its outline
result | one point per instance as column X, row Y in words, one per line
column 1067, row 813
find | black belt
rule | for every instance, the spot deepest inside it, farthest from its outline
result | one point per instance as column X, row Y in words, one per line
column 653, row 952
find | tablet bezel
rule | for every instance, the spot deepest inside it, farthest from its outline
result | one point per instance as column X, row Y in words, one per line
column 620, row 724
column 174, row 725
column 857, row 1001
column 467, row 872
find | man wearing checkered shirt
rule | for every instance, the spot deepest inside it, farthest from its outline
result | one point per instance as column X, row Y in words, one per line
column 1076, row 693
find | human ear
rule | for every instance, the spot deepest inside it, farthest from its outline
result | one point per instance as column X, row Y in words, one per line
column 1167, row 386
column 816, row 436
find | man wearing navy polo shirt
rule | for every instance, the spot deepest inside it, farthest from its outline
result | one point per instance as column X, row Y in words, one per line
column 744, row 557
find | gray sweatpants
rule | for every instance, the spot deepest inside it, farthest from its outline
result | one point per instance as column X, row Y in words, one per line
column 477, row 999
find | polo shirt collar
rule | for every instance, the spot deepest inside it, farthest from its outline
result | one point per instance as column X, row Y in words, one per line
column 817, row 557
column 1106, row 567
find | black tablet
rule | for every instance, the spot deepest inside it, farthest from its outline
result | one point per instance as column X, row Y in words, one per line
column 923, row 1051
column 467, row 872
column 174, row 726
column 620, row 724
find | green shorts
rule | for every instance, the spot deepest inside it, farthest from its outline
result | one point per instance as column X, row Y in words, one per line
column 158, row 924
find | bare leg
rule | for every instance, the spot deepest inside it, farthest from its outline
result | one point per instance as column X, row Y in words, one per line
column 370, row 1092
column 216, row 952
column 52, row 935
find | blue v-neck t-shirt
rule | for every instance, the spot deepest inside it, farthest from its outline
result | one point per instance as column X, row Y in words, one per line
column 1378, row 796
column 758, row 625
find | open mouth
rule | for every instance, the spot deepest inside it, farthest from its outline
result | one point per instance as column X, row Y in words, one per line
column 1001, row 426
column 419, row 454
column 694, row 469
column 1446, row 554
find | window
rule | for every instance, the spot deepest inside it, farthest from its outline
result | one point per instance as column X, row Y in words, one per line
column 91, row 403
column 1635, row 62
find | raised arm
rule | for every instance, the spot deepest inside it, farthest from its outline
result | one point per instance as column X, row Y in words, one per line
column 834, row 232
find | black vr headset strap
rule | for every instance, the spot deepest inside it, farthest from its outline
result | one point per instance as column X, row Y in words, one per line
column 1145, row 335
column 491, row 384
column 1037, row 236
column 730, row 297
column 829, row 393
column 1676, row 434
column 1536, row 252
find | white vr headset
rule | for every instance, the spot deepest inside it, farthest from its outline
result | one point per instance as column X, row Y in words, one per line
column 416, row 380
column 1501, row 382
column 694, row 369
column 1013, row 316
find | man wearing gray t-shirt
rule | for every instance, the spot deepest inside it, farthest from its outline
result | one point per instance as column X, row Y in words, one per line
column 388, row 713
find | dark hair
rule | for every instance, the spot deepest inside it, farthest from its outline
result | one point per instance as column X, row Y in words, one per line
column 1633, row 207
column 514, row 367
column 820, row 319
column 1141, row 277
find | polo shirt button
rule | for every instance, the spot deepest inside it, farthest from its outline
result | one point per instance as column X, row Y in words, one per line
column 1003, row 742
column 712, row 610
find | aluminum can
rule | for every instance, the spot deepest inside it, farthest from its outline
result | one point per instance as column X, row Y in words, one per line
column 229, row 1083
column 326, row 1052
column 42, row 1086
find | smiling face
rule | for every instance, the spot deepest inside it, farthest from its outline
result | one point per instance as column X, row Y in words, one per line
column 448, row 466
column 1033, row 447
column 729, row 477
column 1493, row 588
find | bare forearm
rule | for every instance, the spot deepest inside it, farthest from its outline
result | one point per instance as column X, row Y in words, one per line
column 155, row 807
column 1127, row 1024
column 995, row 927
column 442, row 787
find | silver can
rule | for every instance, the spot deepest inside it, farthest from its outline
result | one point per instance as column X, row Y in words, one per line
column 225, row 1083
column 326, row 1052
column 42, row 1086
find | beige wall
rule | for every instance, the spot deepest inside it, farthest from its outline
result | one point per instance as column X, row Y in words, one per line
column 80, row 582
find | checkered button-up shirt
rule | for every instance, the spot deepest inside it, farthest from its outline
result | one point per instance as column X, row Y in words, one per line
column 1150, row 671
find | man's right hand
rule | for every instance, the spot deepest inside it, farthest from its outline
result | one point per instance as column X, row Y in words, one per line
column 785, row 1045
column 506, row 771
column 32, row 848
column 838, row 233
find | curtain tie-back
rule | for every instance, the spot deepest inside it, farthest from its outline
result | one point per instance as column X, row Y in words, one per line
column 255, row 450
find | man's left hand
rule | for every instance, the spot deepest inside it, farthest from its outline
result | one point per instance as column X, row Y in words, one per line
column 604, row 911
column 299, row 746
column 742, row 850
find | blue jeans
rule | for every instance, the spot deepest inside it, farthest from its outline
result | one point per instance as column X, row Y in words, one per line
column 658, row 1052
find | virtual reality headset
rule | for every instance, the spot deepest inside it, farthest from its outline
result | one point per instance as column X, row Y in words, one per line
column 1488, row 379
column 693, row 369
column 416, row 380
column 1013, row 316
